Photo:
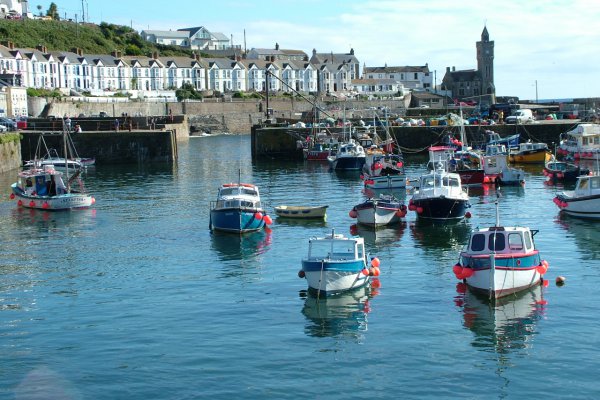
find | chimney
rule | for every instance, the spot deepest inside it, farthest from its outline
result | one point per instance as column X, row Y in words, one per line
column 238, row 58
column 447, row 69
column 42, row 48
column 272, row 58
column 276, row 46
column 77, row 51
column 196, row 57
column 113, row 53
column 119, row 54
column 155, row 55
column 453, row 69
column 8, row 44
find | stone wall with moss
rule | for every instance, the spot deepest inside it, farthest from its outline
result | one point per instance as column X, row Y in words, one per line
column 10, row 151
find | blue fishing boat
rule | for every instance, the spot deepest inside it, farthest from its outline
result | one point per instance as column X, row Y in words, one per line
column 336, row 264
column 238, row 209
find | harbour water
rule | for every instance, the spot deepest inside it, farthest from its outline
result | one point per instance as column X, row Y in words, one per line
column 137, row 299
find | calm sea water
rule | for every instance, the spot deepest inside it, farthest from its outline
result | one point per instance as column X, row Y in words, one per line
column 136, row 299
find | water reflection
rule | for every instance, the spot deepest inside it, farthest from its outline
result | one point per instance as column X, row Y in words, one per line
column 505, row 325
column 231, row 246
column 380, row 237
column 585, row 232
column 341, row 315
column 440, row 235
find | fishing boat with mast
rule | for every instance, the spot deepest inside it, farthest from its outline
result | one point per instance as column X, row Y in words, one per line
column 500, row 260
column 238, row 209
column 43, row 187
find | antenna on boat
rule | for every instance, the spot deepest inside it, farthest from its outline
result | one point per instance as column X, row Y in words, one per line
column 497, row 203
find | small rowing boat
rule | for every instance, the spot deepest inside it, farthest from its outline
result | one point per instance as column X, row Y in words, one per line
column 304, row 212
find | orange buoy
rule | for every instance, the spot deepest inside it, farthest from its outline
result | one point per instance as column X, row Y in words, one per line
column 375, row 262
column 258, row 215
column 45, row 206
column 20, row 203
column 267, row 220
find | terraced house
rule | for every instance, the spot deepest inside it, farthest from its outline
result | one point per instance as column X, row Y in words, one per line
column 98, row 73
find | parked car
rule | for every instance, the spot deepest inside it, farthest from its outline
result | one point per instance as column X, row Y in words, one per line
column 521, row 116
column 8, row 123
column 21, row 122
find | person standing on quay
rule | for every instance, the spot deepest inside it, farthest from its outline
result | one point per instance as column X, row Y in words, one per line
column 117, row 124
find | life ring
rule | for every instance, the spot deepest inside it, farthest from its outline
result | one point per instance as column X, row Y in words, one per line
column 247, row 185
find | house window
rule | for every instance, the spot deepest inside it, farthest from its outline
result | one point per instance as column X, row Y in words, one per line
column 416, row 76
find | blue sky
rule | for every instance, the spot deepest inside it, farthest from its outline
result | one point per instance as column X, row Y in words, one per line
column 555, row 43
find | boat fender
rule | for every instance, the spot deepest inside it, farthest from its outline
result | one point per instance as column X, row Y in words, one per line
column 560, row 280
column 12, row 196
column 301, row 274
column 20, row 203
column 267, row 220
column 468, row 214
column 32, row 203
column 365, row 272
column 258, row 215
column 353, row 213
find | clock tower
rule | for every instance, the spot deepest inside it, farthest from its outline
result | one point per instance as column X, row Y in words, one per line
column 485, row 63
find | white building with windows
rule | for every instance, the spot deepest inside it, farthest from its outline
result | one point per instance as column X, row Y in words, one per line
column 411, row 77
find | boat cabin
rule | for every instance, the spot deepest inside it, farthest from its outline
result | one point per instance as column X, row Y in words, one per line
column 41, row 182
column 436, row 180
column 531, row 147
column 243, row 195
column 587, row 185
column 336, row 247
column 501, row 240
column 495, row 150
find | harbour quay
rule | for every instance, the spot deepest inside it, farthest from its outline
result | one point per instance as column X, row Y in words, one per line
column 281, row 141
column 110, row 147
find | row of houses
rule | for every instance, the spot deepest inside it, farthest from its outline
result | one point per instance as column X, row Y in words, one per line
column 275, row 69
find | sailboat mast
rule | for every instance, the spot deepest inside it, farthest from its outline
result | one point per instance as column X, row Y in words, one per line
column 66, row 157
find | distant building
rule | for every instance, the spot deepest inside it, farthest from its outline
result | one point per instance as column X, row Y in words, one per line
column 336, row 70
column 379, row 87
column 276, row 54
column 411, row 77
column 474, row 84
column 196, row 38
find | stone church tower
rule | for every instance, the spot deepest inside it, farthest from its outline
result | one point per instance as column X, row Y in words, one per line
column 485, row 63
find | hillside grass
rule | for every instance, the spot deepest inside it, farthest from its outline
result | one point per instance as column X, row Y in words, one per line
column 90, row 38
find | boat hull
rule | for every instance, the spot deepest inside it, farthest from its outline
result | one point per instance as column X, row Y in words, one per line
column 377, row 215
column 473, row 177
column 347, row 163
column 440, row 208
column 236, row 220
column 563, row 172
column 579, row 207
column 331, row 277
column 316, row 155
column 300, row 212
column 509, row 275
column 65, row 201
column 530, row 157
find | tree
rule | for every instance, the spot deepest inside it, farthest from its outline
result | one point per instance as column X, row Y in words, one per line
column 39, row 7
column 53, row 11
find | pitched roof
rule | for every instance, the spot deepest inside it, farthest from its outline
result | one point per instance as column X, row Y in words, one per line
column 464, row 75
column 397, row 69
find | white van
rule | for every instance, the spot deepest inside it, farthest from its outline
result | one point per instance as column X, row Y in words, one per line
column 521, row 116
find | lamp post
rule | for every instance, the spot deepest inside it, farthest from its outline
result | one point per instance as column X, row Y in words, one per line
column 536, row 92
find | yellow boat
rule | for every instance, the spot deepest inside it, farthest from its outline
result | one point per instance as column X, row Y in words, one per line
column 530, row 153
